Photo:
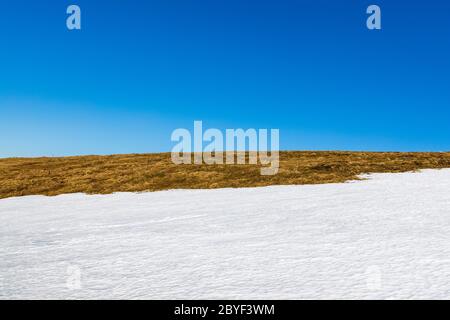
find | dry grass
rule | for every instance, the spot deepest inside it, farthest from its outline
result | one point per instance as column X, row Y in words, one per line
column 151, row 172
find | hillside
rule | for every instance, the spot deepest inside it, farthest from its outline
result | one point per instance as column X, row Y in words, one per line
column 386, row 237
column 152, row 172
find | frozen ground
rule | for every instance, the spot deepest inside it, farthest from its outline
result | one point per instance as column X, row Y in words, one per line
column 386, row 237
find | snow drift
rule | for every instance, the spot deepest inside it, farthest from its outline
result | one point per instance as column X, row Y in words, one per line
column 385, row 237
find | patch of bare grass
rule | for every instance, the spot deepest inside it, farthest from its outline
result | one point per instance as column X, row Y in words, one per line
column 152, row 172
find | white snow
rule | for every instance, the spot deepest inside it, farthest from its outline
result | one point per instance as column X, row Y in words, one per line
column 386, row 237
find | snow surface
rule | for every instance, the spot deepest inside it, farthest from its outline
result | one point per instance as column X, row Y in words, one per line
column 386, row 237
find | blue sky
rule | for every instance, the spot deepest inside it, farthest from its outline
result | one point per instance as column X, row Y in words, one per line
column 140, row 69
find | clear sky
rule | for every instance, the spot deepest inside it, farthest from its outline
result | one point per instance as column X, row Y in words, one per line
column 140, row 69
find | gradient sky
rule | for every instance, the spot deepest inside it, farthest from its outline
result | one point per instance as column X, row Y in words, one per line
column 140, row 69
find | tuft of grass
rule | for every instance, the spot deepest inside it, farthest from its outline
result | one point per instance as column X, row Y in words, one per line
column 153, row 172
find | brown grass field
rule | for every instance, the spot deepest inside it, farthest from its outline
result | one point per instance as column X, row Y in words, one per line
column 152, row 172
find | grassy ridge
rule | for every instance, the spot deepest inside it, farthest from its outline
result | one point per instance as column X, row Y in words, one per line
column 152, row 172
